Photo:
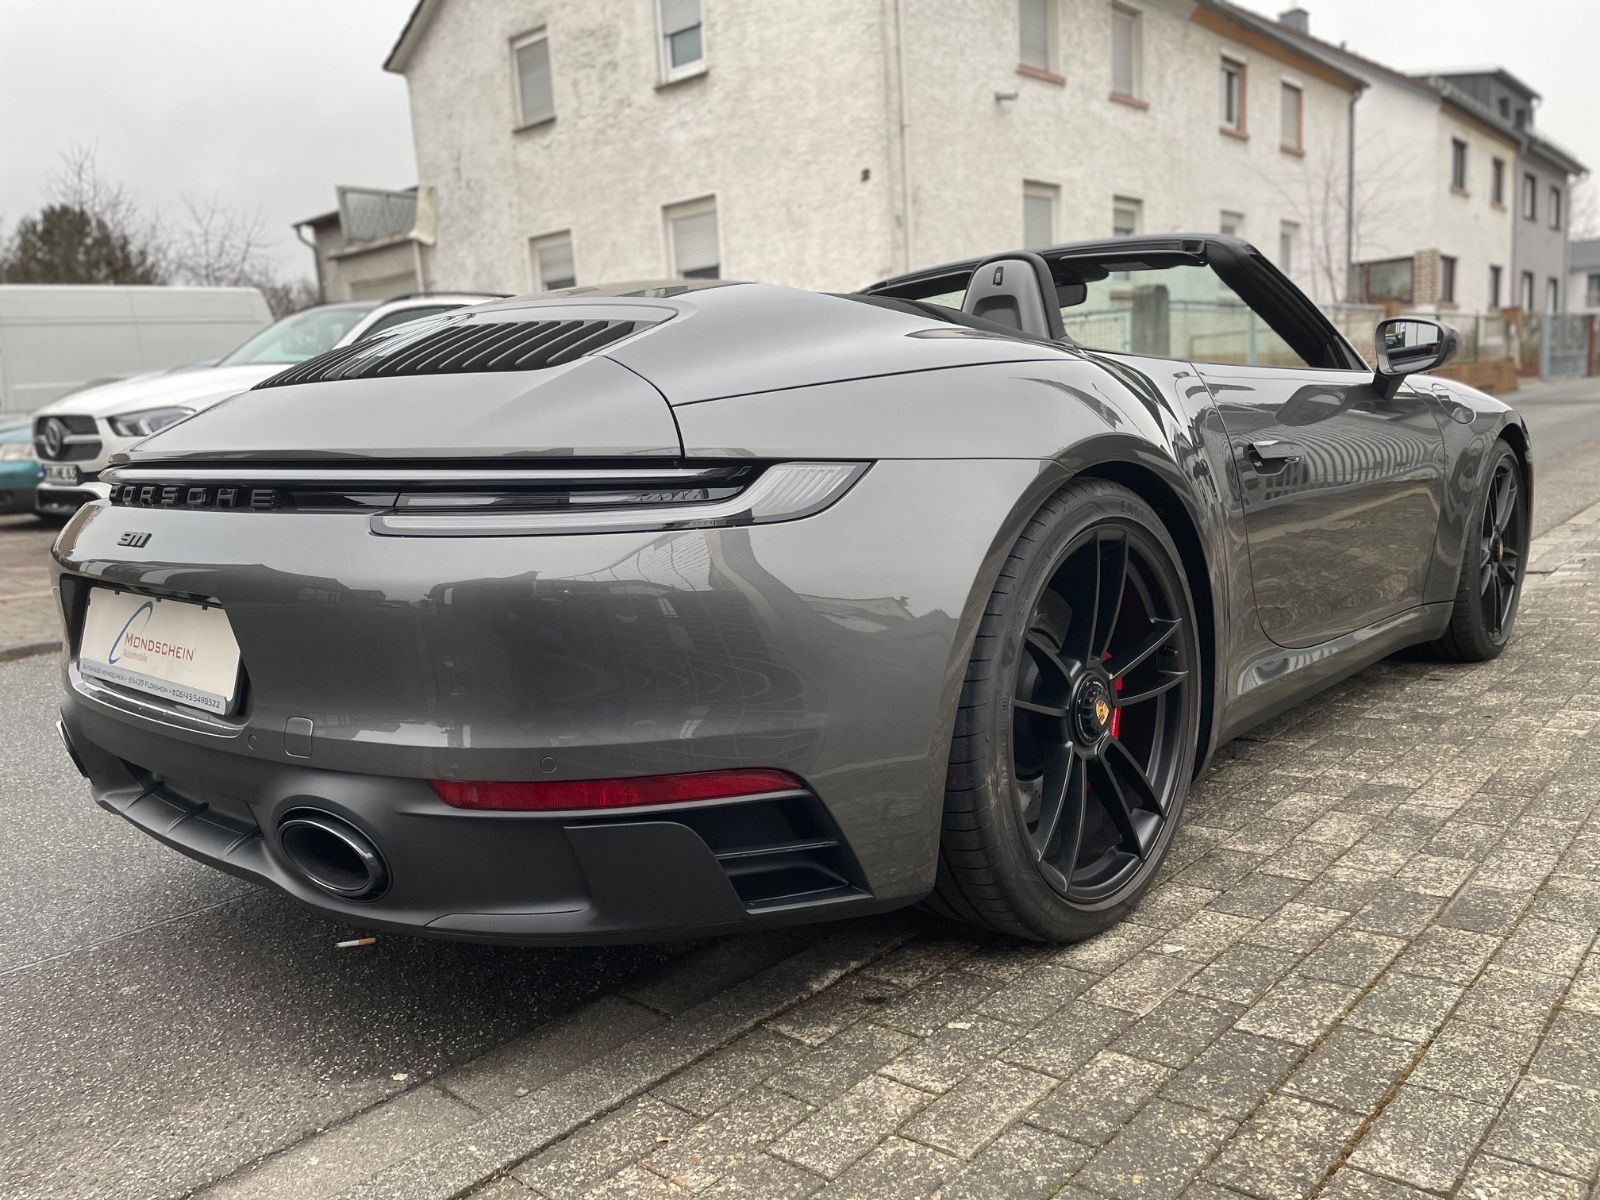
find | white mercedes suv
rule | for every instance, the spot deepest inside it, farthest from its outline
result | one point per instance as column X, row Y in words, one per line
column 76, row 436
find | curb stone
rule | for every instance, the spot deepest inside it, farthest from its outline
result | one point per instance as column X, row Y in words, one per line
column 485, row 1148
column 28, row 650
column 470, row 1153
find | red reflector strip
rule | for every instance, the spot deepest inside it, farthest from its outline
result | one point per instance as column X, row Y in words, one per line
column 551, row 795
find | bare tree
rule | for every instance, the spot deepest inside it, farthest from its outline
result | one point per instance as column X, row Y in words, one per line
column 90, row 232
column 1319, row 197
column 1585, row 221
column 96, row 231
column 289, row 296
column 78, row 184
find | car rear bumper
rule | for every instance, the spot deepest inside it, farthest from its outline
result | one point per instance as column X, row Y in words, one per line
column 533, row 878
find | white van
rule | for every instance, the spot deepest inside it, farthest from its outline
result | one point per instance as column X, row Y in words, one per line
column 57, row 338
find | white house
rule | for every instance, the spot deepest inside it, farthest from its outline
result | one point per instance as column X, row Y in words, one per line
column 1459, row 203
column 827, row 143
column 1583, row 276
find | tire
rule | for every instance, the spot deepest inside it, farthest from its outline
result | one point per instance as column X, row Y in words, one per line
column 1032, row 726
column 1494, row 563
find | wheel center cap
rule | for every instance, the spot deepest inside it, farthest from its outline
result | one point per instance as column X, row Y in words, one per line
column 1091, row 711
column 1499, row 549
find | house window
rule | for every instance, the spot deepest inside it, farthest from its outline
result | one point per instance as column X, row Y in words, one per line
column 530, row 64
column 1527, row 291
column 1447, row 279
column 683, row 48
column 1127, row 53
column 1555, row 207
column 1125, row 216
column 1039, row 214
column 1458, row 164
column 1293, row 104
column 1036, row 21
column 1494, row 287
column 1530, row 197
column 551, row 257
column 1497, row 182
column 1552, row 295
column 1230, row 223
column 1288, row 246
column 1233, row 95
column 692, row 239
column 1592, row 292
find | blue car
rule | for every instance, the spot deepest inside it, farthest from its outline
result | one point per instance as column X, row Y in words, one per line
column 19, row 469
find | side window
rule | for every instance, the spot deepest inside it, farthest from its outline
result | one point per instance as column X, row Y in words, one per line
column 1184, row 312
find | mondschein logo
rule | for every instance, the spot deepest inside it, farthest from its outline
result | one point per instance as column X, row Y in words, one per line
column 133, row 639
column 145, row 610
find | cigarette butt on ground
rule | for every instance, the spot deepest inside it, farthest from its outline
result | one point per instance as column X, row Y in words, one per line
column 366, row 941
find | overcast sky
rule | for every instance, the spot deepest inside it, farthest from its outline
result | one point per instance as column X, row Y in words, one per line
column 269, row 104
column 266, row 103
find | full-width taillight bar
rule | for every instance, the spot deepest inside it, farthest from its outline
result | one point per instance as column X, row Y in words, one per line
column 637, row 791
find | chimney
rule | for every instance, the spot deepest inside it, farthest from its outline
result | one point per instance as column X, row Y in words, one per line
column 1297, row 19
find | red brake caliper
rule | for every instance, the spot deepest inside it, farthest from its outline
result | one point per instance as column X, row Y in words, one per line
column 1116, row 713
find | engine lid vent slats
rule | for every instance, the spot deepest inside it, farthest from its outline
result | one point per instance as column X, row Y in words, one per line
column 459, row 347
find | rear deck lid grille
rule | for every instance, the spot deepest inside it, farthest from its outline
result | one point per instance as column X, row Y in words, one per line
column 454, row 346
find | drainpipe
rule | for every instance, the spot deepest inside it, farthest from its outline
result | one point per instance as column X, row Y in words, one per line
column 905, row 138
column 1350, row 203
column 316, row 260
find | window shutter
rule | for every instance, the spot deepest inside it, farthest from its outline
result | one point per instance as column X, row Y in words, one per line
column 694, row 243
column 1033, row 18
column 678, row 15
column 533, row 80
column 556, row 266
column 1038, row 220
column 1122, row 35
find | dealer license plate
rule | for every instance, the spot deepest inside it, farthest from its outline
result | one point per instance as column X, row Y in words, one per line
column 181, row 652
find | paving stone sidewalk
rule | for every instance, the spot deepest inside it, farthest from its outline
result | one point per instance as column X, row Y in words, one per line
column 1367, row 973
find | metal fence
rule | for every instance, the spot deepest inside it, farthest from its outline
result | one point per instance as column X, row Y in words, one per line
column 1556, row 344
column 1227, row 331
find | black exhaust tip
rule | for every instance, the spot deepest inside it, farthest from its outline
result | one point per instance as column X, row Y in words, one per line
column 333, row 854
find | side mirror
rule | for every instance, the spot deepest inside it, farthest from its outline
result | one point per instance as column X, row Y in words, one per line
column 1409, row 346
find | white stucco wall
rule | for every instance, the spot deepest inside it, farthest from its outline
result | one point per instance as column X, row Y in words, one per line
column 971, row 153
column 787, row 128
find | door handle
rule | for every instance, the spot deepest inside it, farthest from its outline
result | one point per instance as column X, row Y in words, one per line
column 1269, row 455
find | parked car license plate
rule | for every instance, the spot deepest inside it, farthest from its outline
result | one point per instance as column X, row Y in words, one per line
column 66, row 473
column 182, row 652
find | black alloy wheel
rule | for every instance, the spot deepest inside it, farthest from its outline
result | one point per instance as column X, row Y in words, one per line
column 1101, row 694
column 1502, row 545
column 1079, row 723
column 1494, row 562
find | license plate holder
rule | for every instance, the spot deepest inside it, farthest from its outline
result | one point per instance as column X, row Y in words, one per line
column 175, row 650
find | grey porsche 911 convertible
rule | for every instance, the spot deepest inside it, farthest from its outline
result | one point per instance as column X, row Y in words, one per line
column 677, row 610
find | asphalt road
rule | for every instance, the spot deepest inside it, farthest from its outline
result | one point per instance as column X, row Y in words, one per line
column 162, row 1024
column 1564, row 428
